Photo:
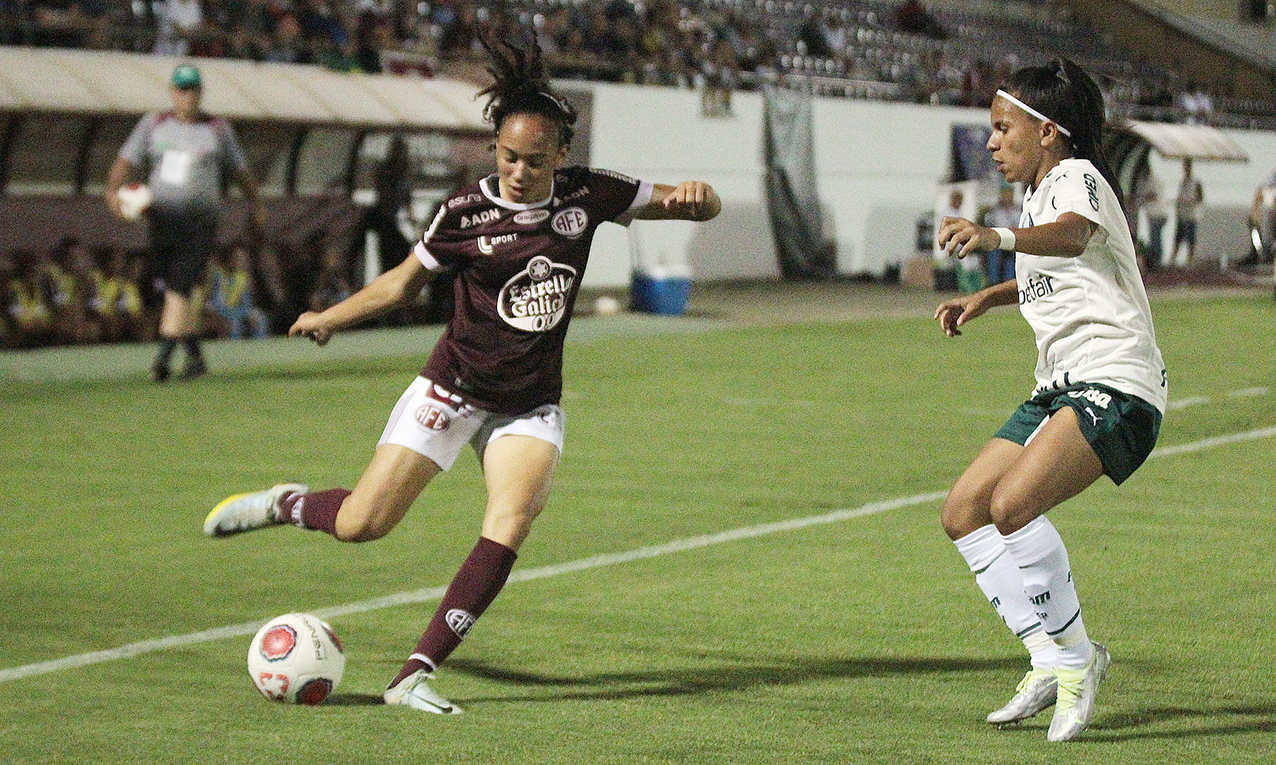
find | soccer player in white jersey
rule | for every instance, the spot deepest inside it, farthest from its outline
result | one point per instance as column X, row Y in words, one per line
column 1100, row 381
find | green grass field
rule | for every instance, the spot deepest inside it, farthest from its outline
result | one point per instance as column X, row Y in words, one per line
column 862, row 640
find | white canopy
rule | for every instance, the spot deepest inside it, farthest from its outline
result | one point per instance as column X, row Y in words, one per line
column 94, row 82
column 1188, row 141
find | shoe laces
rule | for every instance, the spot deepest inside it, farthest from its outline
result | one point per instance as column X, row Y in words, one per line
column 1069, row 689
column 1034, row 676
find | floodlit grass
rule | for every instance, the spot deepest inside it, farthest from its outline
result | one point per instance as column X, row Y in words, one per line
column 861, row 641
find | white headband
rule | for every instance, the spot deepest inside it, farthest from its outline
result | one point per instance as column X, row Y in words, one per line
column 1033, row 112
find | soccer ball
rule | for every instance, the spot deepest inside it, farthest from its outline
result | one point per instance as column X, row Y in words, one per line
column 296, row 658
column 135, row 198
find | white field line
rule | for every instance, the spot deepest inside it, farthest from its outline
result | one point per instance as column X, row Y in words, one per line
column 555, row 569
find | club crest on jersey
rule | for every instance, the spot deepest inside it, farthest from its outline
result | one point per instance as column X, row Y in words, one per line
column 531, row 217
column 570, row 222
column 535, row 300
column 433, row 418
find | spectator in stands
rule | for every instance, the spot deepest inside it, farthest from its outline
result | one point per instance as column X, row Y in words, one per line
column 1262, row 217
column 133, row 321
column 231, row 294
column 69, row 285
column 913, row 18
column 333, row 284
column 392, row 182
column 1150, row 197
column 26, row 299
column 187, row 157
column 1000, row 264
column 177, row 22
column 1196, row 103
column 1187, row 214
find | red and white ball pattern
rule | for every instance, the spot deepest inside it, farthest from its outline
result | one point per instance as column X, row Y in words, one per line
column 296, row 658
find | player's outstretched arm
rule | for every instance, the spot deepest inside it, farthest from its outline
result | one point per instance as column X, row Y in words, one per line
column 953, row 313
column 389, row 290
column 689, row 200
column 1064, row 238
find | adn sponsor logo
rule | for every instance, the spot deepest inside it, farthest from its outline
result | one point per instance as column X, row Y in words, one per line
column 479, row 218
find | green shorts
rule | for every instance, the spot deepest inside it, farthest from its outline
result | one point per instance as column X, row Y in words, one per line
column 1121, row 428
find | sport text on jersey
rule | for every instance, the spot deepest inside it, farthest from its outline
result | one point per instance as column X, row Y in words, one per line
column 535, row 300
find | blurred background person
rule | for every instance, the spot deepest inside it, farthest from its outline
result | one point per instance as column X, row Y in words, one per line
column 187, row 156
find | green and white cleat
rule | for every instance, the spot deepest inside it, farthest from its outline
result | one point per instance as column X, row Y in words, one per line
column 1077, row 690
column 252, row 510
column 1035, row 692
column 413, row 691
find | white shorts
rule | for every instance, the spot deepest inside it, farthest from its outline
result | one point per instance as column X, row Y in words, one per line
column 436, row 423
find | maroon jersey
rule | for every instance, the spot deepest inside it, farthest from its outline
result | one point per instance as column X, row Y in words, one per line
column 517, row 272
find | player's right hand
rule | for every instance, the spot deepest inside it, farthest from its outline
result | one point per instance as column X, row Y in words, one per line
column 309, row 325
column 955, row 312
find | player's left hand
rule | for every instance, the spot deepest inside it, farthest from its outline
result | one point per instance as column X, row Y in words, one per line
column 960, row 237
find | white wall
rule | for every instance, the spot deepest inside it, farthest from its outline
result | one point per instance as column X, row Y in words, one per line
column 878, row 164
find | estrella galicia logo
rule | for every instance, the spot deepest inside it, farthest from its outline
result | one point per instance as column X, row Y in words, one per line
column 535, row 300
column 571, row 222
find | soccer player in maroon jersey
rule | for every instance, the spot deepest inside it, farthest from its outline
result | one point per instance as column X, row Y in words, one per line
column 516, row 244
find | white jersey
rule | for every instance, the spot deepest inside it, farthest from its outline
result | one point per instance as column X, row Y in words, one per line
column 1090, row 313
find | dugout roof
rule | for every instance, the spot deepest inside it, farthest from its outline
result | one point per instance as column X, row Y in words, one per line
column 1188, row 141
column 91, row 83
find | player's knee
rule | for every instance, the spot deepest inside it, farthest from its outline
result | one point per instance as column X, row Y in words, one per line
column 961, row 514
column 1012, row 510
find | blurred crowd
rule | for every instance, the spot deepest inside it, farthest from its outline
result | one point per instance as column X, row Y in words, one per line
column 76, row 293
column 717, row 45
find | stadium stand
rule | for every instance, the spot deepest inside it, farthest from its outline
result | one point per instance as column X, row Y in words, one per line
column 947, row 52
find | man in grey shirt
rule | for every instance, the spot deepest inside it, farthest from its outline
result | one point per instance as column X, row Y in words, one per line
column 186, row 156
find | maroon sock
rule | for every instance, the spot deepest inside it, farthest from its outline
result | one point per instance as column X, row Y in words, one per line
column 475, row 586
column 313, row 510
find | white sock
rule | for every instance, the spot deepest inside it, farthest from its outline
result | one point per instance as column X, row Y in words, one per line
column 1002, row 583
column 1047, row 581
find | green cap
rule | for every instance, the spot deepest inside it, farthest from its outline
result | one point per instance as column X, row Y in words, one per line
column 186, row 76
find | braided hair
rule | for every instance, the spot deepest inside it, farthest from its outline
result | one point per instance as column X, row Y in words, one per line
column 522, row 87
column 1063, row 91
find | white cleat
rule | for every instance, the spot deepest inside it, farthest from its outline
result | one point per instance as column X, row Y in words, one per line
column 413, row 691
column 1077, row 690
column 245, row 512
column 1035, row 692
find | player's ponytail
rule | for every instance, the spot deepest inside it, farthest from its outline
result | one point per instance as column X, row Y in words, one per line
column 1071, row 99
column 522, row 87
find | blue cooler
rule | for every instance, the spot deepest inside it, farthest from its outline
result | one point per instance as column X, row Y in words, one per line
column 662, row 289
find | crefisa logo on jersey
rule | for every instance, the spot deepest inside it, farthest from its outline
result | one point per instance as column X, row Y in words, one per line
column 535, row 300
column 433, row 418
column 570, row 222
